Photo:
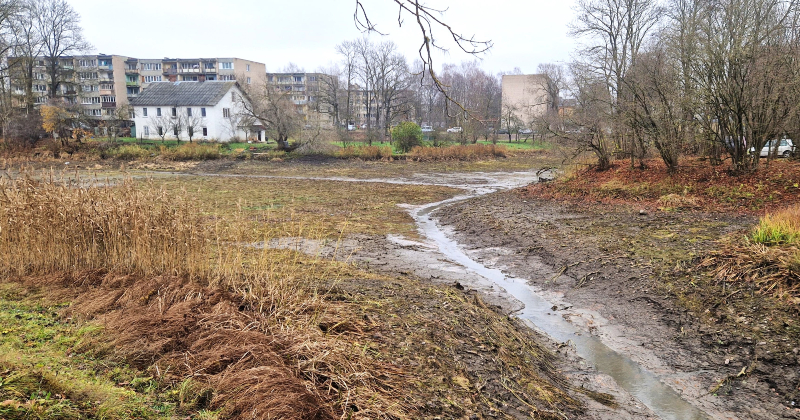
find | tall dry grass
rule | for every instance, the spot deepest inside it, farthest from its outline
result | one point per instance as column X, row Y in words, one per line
column 468, row 152
column 364, row 152
column 780, row 228
column 176, row 255
column 58, row 225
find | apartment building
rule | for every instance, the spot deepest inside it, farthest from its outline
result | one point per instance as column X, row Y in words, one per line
column 102, row 83
column 305, row 90
column 524, row 96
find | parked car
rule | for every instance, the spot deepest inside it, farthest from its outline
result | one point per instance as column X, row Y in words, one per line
column 351, row 127
column 454, row 130
column 363, row 126
column 427, row 129
column 502, row 131
column 525, row 131
column 785, row 148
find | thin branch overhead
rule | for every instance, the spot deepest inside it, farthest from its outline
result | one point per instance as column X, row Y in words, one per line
column 428, row 19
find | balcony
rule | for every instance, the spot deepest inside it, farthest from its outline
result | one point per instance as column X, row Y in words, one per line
column 131, row 83
column 106, row 92
column 109, row 104
column 170, row 72
column 131, row 71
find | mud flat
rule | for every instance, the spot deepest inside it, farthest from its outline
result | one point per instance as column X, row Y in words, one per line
column 587, row 263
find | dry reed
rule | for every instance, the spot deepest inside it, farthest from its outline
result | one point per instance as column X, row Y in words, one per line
column 469, row 152
column 178, row 288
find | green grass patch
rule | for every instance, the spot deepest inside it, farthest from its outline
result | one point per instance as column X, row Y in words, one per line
column 51, row 368
column 780, row 228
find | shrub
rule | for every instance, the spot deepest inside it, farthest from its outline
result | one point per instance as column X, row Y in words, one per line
column 191, row 151
column 470, row 152
column 406, row 136
column 364, row 152
column 780, row 228
column 130, row 152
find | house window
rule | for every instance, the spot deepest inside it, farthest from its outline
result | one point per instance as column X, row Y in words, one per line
column 175, row 131
column 248, row 67
column 248, row 80
column 158, row 112
column 146, row 130
column 226, row 65
column 226, row 112
column 189, row 112
column 202, row 112
column 160, row 131
column 144, row 112
column 205, row 131
column 174, row 112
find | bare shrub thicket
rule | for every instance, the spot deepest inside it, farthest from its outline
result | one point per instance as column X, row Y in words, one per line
column 685, row 76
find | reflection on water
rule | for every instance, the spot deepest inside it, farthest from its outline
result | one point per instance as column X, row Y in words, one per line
column 639, row 382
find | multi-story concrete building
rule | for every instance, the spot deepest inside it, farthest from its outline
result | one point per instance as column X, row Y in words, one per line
column 524, row 97
column 102, row 83
column 305, row 90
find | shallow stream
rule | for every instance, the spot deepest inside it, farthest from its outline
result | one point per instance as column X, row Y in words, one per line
column 636, row 380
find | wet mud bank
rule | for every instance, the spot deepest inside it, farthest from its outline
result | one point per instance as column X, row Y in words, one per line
column 597, row 268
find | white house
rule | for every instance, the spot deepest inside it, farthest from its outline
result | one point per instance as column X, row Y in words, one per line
column 204, row 110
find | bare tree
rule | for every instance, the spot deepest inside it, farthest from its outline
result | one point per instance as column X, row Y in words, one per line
column 177, row 124
column 614, row 32
column 429, row 20
column 160, row 124
column 192, row 123
column 57, row 26
column 330, row 93
column 274, row 109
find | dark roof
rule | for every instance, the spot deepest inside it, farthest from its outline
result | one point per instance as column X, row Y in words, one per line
column 182, row 94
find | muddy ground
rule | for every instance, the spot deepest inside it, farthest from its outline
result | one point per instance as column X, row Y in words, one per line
column 610, row 270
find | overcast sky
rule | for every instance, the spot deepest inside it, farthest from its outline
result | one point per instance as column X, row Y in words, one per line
column 525, row 33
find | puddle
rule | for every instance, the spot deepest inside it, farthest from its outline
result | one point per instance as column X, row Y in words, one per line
column 636, row 380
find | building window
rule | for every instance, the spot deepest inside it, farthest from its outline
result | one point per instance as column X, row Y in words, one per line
column 298, row 79
column 144, row 112
column 174, row 112
column 158, row 112
column 189, row 112
column 209, row 65
column 191, row 131
column 202, row 112
column 175, row 131
column 226, row 65
column 108, row 99
column 160, row 131
column 248, row 67
column 205, row 131
column 248, row 80
column 226, row 112
column 227, row 77
column 151, row 79
column 146, row 131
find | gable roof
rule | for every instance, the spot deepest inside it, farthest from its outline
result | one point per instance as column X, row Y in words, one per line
column 183, row 93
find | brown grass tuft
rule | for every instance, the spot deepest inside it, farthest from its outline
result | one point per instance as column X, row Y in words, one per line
column 469, row 152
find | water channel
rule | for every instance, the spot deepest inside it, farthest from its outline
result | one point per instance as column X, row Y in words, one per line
column 636, row 380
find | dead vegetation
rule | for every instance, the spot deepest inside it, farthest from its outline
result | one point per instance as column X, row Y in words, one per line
column 466, row 153
column 262, row 333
